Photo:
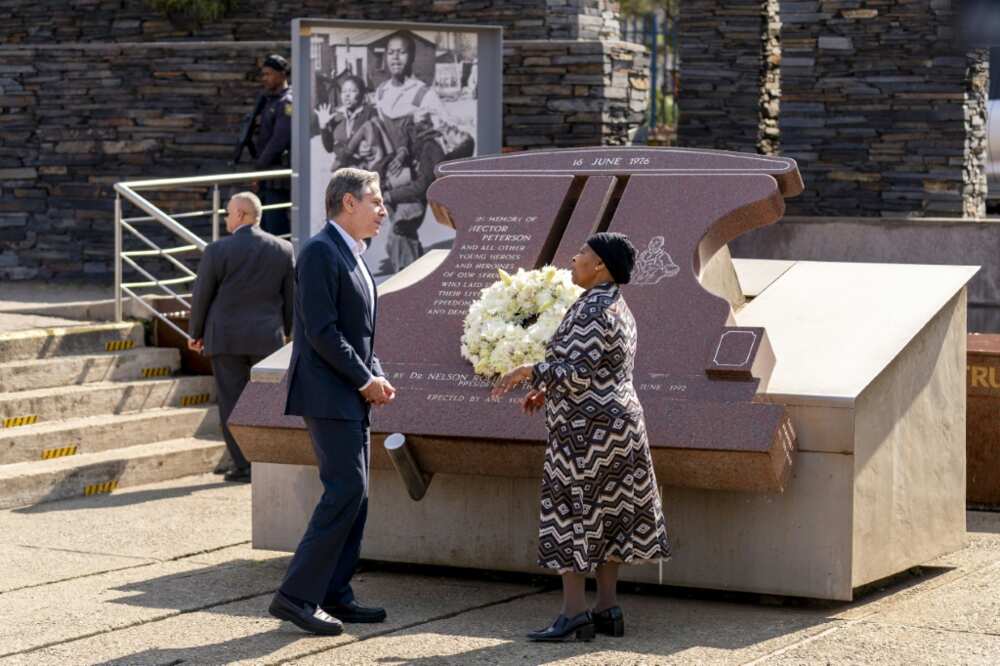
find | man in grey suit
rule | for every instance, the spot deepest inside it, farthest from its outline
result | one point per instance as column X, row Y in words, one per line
column 241, row 308
column 334, row 378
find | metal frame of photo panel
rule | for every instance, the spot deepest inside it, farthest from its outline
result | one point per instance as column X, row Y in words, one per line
column 489, row 108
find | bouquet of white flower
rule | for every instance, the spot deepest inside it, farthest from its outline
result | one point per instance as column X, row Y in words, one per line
column 515, row 317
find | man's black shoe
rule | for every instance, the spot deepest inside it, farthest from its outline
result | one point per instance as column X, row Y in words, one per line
column 355, row 613
column 238, row 475
column 308, row 618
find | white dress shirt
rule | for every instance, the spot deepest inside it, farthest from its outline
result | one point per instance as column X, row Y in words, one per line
column 358, row 248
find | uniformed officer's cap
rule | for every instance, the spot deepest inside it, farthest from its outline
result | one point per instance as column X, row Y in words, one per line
column 277, row 63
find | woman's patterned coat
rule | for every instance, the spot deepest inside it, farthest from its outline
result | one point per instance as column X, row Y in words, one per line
column 600, row 500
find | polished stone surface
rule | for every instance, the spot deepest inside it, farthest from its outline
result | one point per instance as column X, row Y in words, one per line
column 527, row 210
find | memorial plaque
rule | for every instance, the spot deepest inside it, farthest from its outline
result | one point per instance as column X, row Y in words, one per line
column 696, row 377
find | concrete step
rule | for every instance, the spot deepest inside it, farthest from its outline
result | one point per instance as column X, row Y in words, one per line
column 67, row 340
column 24, row 408
column 92, row 434
column 139, row 363
column 22, row 484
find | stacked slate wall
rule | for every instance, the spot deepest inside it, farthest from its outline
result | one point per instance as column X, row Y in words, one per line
column 724, row 53
column 883, row 109
column 885, row 113
column 78, row 116
column 62, row 21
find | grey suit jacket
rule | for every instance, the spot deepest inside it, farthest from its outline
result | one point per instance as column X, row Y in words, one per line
column 243, row 298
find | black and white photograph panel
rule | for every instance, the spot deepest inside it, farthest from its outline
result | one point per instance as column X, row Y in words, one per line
column 397, row 102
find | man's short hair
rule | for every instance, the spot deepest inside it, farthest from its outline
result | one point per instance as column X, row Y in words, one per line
column 250, row 200
column 347, row 181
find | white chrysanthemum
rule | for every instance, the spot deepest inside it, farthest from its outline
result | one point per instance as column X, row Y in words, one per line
column 514, row 319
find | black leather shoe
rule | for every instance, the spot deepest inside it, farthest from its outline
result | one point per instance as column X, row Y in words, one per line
column 354, row 612
column 610, row 621
column 579, row 627
column 307, row 618
column 238, row 475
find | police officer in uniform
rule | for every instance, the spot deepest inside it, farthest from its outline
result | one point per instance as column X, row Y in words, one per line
column 274, row 141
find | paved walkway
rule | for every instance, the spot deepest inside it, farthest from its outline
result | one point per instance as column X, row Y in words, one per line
column 164, row 574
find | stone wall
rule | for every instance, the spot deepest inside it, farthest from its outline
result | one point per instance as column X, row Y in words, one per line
column 76, row 118
column 880, row 109
column 724, row 56
column 63, row 21
column 884, row 114
column 573, row 93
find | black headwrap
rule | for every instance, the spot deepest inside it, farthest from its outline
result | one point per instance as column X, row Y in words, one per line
column 617, row 253
column 277, row 63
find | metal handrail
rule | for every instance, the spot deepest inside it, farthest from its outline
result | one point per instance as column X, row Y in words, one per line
column 129, row 191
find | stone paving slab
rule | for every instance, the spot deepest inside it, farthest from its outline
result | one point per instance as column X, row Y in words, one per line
column 970, row 605
column 243, row 632
column 164, row 574
column 28, row 566
column 864, row 644
column 660, row 630
column 161, row 521
column 10, row 321
column 69, row 610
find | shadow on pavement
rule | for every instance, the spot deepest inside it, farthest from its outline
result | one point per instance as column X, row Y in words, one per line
column 250, row 648
column 984, row 522
column 59, row 502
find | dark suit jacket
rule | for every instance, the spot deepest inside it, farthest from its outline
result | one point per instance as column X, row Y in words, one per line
column 242, row 299
column 333, row 352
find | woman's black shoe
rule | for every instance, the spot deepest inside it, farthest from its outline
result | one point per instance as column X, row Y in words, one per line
column 610, row 621
column 579, row 627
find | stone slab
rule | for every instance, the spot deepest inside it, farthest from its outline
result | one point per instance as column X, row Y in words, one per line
column 133, row 364
column 10, row 321
column 77, row 338
column 521, row 211
column 156, row 520
column 817, row 310
column 26, row 566
column 865, row 643
column 890, row 240
column 910, row 453
column 31, row 618
column 660, row 630
column 493, row 524
column 243, row 632
column 756, row 275
column 91, row 434
column 40, row 481
column 967, row 605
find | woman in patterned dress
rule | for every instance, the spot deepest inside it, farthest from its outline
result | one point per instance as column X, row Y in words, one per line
column 600, row 505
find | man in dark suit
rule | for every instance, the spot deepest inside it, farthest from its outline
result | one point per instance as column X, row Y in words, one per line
column 241, row 309
column 334, row 378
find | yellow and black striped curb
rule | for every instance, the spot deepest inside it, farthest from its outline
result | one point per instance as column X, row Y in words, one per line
column 15, row 421
column 195, row 399
column 61, row 452
column 156, row 372
column 100, row 488
column 119, row 345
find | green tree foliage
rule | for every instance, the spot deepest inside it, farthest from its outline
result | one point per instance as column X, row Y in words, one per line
column 639, row 8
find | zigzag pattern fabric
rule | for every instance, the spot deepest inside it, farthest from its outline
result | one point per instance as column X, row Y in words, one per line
column 600, row 499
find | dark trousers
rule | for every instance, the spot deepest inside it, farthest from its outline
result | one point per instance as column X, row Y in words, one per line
column 321, row 569
column 276, row 222
column 232, row 372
